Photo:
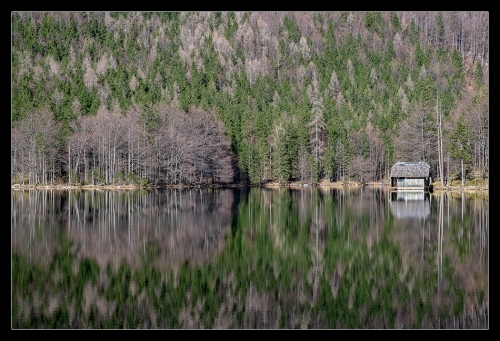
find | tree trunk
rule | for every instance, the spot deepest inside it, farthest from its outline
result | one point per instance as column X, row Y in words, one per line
column 440, row 144
column 69, row 165
column 463, row 175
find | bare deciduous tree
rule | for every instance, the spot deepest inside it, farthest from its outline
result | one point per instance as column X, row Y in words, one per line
column 34, row 147
column 415, row 137
column 317, row 125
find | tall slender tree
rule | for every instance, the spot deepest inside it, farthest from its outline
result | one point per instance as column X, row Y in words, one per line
column 459, row 145
column 317, row 125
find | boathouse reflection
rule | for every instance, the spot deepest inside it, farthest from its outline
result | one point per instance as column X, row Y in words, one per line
column 410, row 204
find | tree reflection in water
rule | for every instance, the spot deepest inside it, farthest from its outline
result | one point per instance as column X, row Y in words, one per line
column 248, row 258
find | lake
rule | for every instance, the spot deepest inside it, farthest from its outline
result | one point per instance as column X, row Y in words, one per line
column 249, row 258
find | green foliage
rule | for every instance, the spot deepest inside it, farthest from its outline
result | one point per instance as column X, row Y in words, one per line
column 98, row 176
column 131, row 178
column 22, row 97
column 395, row 21
column 458, row 63
column 245, row 17
column 150, row 119
column 420, row 57
column 89, row 101
column 163, row 76
column 231, row 26
column 374, row 21
column 119, row 81
column 117, row 15
column 427, row 92
column 143, row 182
column 282, row 167
column 292, row 28
column 119, row 178
column 329, row 162
column 459, row 141
column 478, row 74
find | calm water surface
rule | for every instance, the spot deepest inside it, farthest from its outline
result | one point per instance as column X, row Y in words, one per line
column 336, row 258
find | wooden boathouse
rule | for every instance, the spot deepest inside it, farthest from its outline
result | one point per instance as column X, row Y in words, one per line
column 410, row 176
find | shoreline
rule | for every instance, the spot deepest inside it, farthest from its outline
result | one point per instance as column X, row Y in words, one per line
column 337, row 184
column 322, row 184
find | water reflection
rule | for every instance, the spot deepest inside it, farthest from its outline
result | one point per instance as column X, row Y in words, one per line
column 249, row 258
column 177, row 225
column 410, row 204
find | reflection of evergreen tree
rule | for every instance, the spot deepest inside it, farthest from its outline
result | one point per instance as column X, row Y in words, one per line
column 310, row 258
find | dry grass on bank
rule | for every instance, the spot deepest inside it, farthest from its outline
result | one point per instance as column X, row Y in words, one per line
column 455, row 185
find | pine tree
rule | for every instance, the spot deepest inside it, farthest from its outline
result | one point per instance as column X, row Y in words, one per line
column 281, row 156
column 459, row 145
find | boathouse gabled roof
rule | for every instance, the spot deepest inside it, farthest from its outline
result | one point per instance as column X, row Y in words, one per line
column 410, row 170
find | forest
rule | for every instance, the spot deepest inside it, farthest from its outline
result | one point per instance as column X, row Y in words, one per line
column 198, row 98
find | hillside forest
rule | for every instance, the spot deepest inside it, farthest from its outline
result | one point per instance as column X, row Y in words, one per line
column 198, row 98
